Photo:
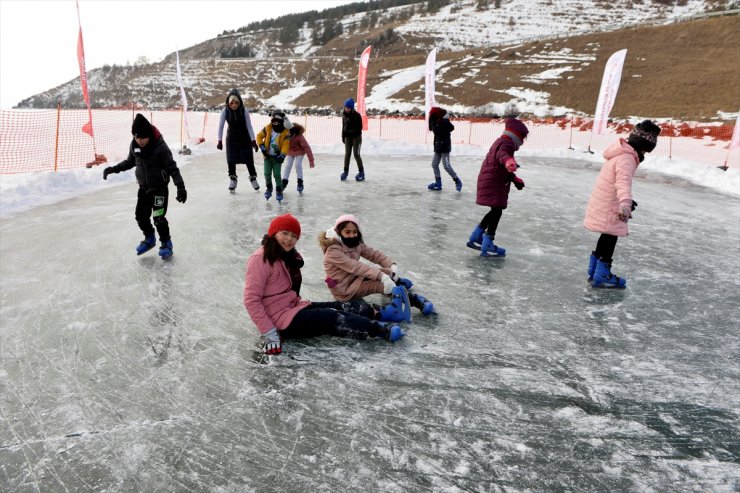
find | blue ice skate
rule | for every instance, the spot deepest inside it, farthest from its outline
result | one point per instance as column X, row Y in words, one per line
column 395, row 332
column 399, row 309
column 360, row 176
column 592, row 266
column 458, row 184
column 300, row 185
column 603, row 277
column 476, row 238
column 488, row 249
column 343, row 176
column 435, row 185
column 405, row 282
column 279, row 195
column 268, row 192
column 146, row 245
column 165, row 250
column 424, row 305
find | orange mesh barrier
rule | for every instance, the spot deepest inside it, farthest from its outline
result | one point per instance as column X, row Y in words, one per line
column 49, row 140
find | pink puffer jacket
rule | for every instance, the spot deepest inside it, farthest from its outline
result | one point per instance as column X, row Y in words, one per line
column 613, row 190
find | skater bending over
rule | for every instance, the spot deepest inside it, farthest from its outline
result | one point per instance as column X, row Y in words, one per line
column 348, row 278
column 352, row 139
column 272, row 300
column 298, row 148
column 610, row 205
column 152, row 157
column 274, row 144
column 439, row 123
column 240, row 138
column 494, row 182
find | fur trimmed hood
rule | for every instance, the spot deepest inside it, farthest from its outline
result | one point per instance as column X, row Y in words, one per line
column 328, row 238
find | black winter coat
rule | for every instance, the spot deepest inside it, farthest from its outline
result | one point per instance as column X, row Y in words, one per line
column 154, row 164
column 351, row 124
column 442, row 129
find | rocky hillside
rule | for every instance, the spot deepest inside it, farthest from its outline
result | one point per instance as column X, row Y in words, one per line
column 543, row 57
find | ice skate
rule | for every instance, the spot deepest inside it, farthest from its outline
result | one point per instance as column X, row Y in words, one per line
column 146, row 245
column 268, row 192
column 165, row 251
column 603, row 277
column 300, row 185
column 476, row 238
column 488, row 249
column 424, row 305
column 435, row 185
column 394, row 333
column 253, row 181
column 458, row 184
column 399, row 309
column 232, row 183
column 592, row 266
column 405, row 282
column 360, row 176
column 279, row 195
column 285, row 183
column 343, row 176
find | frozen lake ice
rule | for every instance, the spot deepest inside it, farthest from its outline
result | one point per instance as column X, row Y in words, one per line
column 125, row 373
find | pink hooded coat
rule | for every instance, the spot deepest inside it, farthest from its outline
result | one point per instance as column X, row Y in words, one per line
column 613, row 190
column 268, row 296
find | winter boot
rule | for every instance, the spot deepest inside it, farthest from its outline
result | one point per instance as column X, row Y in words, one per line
column 146, row 245
column 436, row 185
column 476, row 238
column 360, row 176
column 165, row 251
column 232, row 183
column 279, row 194
column 394, row 333
column 458, row 184
column 268, row 192
column 424, row 305
column 488, row 249
column 253, row 181
column 398, row 310
column 603, row 277
column 343, row 176
column 285, row 183
column 592, row 266
column 299, row 187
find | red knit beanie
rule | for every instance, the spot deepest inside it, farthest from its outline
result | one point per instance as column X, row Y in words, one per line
column 286, row 222
column 517, row 127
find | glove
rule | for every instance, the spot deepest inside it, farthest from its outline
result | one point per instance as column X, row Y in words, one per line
column 255, row 146
column 263, row 149
column 182, row 195
column 388, row 283
column 280, row 158
column 220, row 146
column 272, row 342
column 624, row 213
column 511, row 165
column 106, row 172
column 394, row 273
column 518, row 182
column 634, row 205
column 311, row 165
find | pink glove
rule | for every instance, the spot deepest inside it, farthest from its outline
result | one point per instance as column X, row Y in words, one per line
column 511, row 165
column 625, row 213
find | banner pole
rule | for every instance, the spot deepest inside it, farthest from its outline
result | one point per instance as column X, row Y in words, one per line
column 56, row 143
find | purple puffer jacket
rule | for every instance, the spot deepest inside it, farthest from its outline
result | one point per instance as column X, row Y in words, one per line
column 494, row 180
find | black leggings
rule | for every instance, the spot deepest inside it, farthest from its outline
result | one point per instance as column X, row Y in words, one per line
column 350, row 319
column 153, row 202
column 605, row 247
column 490, row 221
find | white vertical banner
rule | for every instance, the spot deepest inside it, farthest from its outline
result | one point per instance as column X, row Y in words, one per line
column 429, row 82
column 183, row 99
column 608, row 91
column 735, row 141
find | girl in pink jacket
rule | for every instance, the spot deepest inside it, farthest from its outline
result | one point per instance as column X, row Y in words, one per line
column 611, row 204
column 271, row 288
column 348, row 278
column 298, row 148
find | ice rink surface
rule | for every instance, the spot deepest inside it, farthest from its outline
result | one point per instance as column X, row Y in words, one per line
column 126, row 373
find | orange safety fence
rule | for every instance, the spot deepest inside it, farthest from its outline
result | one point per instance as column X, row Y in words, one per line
column 49, row 140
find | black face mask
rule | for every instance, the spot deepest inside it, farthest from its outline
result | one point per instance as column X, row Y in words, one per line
column 278, row 127
column 351, row 242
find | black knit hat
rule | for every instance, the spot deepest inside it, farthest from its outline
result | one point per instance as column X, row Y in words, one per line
column 644, row 136
column 141, row 127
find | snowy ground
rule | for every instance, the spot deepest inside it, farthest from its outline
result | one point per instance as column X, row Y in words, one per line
column 125, row 373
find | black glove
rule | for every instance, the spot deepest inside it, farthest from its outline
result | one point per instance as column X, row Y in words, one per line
column 106, row 172
column 280, row 158
column 518, row 182
column 220, row 146
column 182, row 195
column 255, row 146
column 634, row 205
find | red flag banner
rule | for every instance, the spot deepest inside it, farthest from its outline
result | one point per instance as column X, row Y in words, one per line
column 361, row 80
column 88, row 127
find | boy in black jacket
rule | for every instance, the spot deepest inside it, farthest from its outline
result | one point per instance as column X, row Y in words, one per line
column 154, row 167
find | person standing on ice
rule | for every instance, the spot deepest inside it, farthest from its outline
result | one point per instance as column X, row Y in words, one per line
column 274, row 144
column 439, row 123
column 610, row 205
column 271, row 297
column 348, row 278
column 240, row 138
column 494, row 182
column 297, row 149
column 154, row 168
column 352, row 139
